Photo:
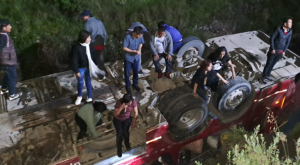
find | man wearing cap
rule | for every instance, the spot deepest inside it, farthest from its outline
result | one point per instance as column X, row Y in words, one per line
column 8, row 60
column 98, row 33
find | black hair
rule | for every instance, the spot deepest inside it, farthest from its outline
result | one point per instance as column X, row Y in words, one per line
column 218, row 52
column 99, row 107
column 161, row 29
column 167, row 158
column 297, row 78
column 161, row 24
column 286, row 19
column 83, row 35
column 138, row 30
column 126, row 98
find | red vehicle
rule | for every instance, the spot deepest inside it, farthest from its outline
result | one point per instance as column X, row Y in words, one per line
column 170, row 118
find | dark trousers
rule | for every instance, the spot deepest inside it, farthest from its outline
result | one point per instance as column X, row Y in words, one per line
column 135, row 68
column 168, row 63
column 212, row 83
column 122, row 128
column 100, row 54
column 292, row 122
column 10, row 79
column 83, row 127
column 271, row 61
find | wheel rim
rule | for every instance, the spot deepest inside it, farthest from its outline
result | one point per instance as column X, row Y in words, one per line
column 234, row 99
column 189, row 119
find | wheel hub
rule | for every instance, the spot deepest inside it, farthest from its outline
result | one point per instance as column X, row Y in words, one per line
column 235, row 98
column 189, row 119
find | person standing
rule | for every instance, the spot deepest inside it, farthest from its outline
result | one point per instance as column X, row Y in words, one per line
column 279, row 43
column 176, row 36
column 132, row 46
column 145, row 34
column 122, row 120
column 162, row 46
column 8, row 61
column 88, row 117
column 220, row 61
column 98, row 34
column 84, row 64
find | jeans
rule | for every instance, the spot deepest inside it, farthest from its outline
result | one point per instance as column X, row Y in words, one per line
column 135, row 68
column 176, row 46
column 83, row 127
column 10, row 79
column 292, row 122
column 157, row 64
column 271, row 61
column 122, row 128
column 84, row 72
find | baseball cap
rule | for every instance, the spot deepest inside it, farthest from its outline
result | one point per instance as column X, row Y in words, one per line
column 86, row 13
column 3, row 23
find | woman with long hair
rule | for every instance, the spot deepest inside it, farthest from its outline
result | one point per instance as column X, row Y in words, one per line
column 84, row 64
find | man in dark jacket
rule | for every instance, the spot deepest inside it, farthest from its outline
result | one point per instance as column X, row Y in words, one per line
column 8, row 61
column 279, row 43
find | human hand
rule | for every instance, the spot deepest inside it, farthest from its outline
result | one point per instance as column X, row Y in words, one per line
column 138, row 52
column 233, row 77
column 195, row 95
column 226, row 82
column 156, row 57
column 134, row 124
column 78, row 75
column 273, row 52
column 283, row 53
column 169, row 57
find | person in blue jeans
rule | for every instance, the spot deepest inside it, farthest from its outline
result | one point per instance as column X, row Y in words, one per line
column 162, row 46
column 8, row 61
column 176, row 36
column 132, row 46
column 84, row 60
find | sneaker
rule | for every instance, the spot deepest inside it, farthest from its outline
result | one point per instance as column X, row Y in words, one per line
column 269, row 78
column 5, row 90
column 128, row 90
column 263, row 80
column 14, row 96
column 141, row 71
column 89, row 100
column 167, row 75
column 78, row 100
column 137, row 88
column 159, row 75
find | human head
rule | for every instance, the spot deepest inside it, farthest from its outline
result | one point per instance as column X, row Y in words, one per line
column 86, row 14
column 84, row 37
column 127, row 99
column 99, row 107
column 138, row 32
column 221, row 51
column 297, row 78
column 5, row 26
column 161, row 24
column 288, row 22
column 166, row 159
column 161, row 31
column 206, row 65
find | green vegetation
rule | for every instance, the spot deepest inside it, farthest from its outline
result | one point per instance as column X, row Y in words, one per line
column 44, row 30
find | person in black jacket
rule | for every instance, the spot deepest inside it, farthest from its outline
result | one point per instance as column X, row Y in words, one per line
column 83, row 56
column 279, row 43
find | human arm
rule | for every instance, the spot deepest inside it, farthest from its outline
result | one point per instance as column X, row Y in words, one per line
column 274, row 35
column 75, row 61
column 155, row 54
column 224, row 81
column 287, row 43
column 90, row 117
column 170, row 44
column 126, row 45
column 232, row 69
column 135, row 109
column 195, row 91
column 139, row 51
column 118, row 108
